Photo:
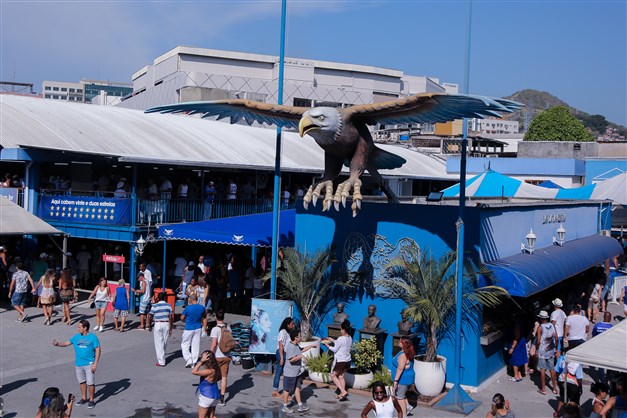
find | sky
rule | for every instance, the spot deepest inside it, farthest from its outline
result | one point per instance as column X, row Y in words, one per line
column 575, row 50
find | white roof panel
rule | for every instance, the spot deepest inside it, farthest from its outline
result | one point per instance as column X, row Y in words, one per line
column 135, row 136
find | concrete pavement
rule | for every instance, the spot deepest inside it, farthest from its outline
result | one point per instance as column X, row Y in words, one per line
column 128, row 384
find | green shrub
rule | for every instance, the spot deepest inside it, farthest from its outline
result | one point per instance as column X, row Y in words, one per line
column 384, row 375
column 365, row 355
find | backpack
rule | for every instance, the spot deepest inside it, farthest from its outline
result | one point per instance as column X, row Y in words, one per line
column 226, row 342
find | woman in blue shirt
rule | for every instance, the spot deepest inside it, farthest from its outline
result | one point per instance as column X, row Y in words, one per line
column 403, row 371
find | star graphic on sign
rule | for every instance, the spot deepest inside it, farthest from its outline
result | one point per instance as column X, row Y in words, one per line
column 63, row 214
column 93, row 216
column 63, row 208
column 80, row 215
column 75, row 209
column 81, row 209
column 99, row 210
column 111, row 217
column 112, row 210
column 107, row 210
column 99, row 216
column 52, row 213
column 57, row 214
column 75, row 215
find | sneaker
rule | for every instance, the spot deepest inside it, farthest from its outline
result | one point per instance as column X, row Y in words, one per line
column 91, row 404
column 24, row 317
column 19, row 319
column 101, row 328
column 188, row 365
column 303, row 408
column 409, row 409
column 221, row 401
column 159, row 365
column 81, row 402
column 287, row 409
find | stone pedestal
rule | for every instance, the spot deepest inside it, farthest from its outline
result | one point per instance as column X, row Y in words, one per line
column 396, row 338
column 333, row 331
column 378, row 334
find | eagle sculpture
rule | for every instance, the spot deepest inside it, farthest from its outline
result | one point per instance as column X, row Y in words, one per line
column 343, row 133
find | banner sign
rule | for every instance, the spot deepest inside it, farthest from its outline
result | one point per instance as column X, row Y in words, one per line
column 85, row 209
column 266, row 318
column 10, row 193
column 107, row 258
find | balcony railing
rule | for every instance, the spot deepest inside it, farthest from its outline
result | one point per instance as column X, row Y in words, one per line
column 163, row 211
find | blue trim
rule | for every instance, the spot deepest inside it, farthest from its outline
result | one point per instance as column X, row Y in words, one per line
column 520, row 166
column 247, row 230
column 527, row 274
column 110, row 233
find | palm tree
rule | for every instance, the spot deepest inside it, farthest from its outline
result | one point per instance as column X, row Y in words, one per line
column 306, row 280
column 427, row 286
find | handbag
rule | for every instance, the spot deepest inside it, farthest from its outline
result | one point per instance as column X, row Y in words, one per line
column 92, row 305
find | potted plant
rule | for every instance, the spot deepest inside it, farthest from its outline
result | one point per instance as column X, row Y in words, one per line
column 305, row 279
column 319, row 367
column 365, row 356
column 383, row 375
column 427, row 286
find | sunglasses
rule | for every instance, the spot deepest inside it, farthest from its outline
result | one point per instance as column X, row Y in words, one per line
column 379, row 393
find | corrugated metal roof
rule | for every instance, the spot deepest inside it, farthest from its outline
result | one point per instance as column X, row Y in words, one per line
column 134, row 136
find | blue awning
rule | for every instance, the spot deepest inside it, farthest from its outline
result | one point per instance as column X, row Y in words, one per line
column 526, row 274
column 251, row 230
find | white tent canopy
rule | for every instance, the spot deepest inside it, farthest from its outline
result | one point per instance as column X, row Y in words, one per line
column 614, row 189
column 607, row 350
column 15, row 220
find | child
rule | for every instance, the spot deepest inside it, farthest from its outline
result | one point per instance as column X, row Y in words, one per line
column 291, row 372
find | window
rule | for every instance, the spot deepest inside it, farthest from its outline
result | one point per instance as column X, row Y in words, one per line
column 71, row 90
column 63, row 88
column 79, row 90
column 298, row 102
column 47, row 96
column 55, row 89
column 47, row 88
column 55, row 96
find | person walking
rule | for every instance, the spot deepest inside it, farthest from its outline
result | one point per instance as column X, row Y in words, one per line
column 144, row 301
column 161, row 312
column 193, row 315
column 546, row 341
column 208, row 370
column 87, row 355
column 342, row 349
column 500, row 408
column 558, row 318
column 283, row 339
column 120, row 302
column 518, row 351
column 222, row 359
column 292, row 379
column 66, row 291
column 383, row 405
column 403, row 372
column 577, row 328
column 100, row 296
column 47, row 297
column 18, row 288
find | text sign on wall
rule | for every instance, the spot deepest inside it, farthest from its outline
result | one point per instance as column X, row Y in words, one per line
column 93, row 210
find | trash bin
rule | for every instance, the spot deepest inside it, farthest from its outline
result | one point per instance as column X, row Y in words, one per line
column 170, row 296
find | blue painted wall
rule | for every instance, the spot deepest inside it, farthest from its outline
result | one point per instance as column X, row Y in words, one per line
column 603, row 169
column 520, row 166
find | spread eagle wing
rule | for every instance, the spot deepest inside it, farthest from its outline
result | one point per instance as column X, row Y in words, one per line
column 431, row 108
column 237, row 109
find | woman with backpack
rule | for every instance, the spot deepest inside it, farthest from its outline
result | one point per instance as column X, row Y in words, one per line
column 546, row 341
column 222, row 342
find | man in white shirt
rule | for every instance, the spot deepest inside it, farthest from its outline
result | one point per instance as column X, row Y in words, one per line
column 557, row 318
column 577, row 328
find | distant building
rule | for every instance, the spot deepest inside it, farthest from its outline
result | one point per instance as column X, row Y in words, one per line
column 190, row 74
column 494, row 126
column 84, row 91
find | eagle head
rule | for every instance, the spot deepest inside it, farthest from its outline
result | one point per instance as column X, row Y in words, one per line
column 322, row 123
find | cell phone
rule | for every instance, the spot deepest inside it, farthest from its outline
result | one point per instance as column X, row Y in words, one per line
column 70, row 397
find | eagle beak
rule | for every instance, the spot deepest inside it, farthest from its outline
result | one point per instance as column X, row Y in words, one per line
column 305, row 125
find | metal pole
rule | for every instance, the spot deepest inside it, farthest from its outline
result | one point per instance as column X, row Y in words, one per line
column 457, row 400
column 277, row 162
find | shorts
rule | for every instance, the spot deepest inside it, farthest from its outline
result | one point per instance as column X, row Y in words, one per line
column 144, row 307
column 290, row 384
column 401, row 391
column 85, row 375
column 67, row 295
column 120, row 312
column 205, row 402
column 101, row 304
column 571, row 390
column 341, row 367
column 592, row 304
column 18, row 298
column 223, row 362
column 546, row 363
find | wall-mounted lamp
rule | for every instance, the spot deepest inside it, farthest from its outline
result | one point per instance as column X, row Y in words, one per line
column 141, row 243
column 531, row 242
column 561, row 234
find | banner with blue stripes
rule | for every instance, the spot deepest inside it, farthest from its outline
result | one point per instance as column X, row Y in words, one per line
column 83, row 209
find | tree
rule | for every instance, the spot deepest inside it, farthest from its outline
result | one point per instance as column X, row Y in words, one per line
column 306, row 280
column 427, row 286
column 557, row 124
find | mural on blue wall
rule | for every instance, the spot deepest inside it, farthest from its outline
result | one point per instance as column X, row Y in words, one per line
column 370, row 259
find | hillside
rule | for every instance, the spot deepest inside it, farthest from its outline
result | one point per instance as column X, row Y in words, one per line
column 536, row 101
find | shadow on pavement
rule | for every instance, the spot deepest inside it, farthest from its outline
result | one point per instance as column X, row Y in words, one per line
column 16, row 385
column 107, row 390
column 243, row 383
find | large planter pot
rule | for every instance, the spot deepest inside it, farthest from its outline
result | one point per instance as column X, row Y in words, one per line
column 314, row 352
column 319, row 377
column 430, row 376
column 357, row 381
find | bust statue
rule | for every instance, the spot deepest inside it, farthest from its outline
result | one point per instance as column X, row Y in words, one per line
column 371, row 321
column 340, row 316
column 404, row 325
